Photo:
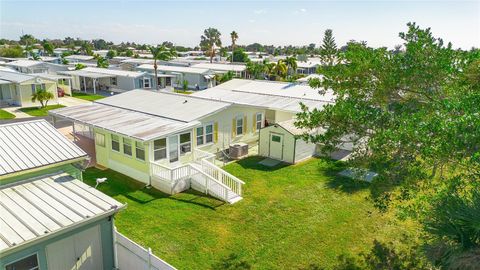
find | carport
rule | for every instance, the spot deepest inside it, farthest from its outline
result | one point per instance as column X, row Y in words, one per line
column 84, row 76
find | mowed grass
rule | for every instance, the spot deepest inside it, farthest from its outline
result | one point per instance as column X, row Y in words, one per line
column 6, row 115
column 292, row 217
column 37, row 111
column 86, row 96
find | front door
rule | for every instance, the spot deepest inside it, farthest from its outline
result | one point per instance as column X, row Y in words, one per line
column 276, row 146
column 173, row 148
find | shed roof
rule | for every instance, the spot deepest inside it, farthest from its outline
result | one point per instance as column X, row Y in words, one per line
column 177, row 107
column 38, row 208
column 289, row 125
column 221, row 67
column 130, row 123
column 270, row 95
column 33, row 144
column 174, row 69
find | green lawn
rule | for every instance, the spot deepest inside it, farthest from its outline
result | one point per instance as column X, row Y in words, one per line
column 37, row 111
column 6, row 115
column 291, row 217
column 186, row 92
column 86, row 96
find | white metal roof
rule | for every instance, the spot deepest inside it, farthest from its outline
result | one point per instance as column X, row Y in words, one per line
column 311, row 76
column 114, row 72
column 307, row 64
column 79, row 57
column 266, row 94
column 33, row 144
column 174, row 69
column 24, row 63
column 133, row 124
column 87, row 74
column 178, row 107
column 14, row 77
column 42, row 207
column 221, row 67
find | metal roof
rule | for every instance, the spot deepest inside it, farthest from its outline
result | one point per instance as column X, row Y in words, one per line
column 33, row 144
column 130, row 123
column 221, row 67
column 86, row 74
column 41, row 207
column 79, row 57
column 177, row 107
column 270, row 95
column 115, row 72
column 15, row 77
column 174, row 69
column 24, row 63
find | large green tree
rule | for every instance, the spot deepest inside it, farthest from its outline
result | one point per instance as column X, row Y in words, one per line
column 209, row 41
column 328, row 49
column 412, row 114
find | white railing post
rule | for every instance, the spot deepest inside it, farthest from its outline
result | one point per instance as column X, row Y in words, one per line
column 149, row 259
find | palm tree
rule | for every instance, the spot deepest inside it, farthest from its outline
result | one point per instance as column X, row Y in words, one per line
column 291, row 63
column 210, row 39
column 280, row 69
column 47, row 47
column 102, row 62
column 161, row 53
column 234, row 37
column 43, row 96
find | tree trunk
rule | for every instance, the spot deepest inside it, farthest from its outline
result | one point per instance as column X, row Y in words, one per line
column 156, row 75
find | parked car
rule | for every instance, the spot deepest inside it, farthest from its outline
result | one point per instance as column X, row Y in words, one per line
column 60, row 92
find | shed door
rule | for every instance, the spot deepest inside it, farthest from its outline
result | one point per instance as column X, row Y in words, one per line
column 276, row 146
column 77, row 252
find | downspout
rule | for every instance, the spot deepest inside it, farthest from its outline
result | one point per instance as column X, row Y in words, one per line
column 114, row 240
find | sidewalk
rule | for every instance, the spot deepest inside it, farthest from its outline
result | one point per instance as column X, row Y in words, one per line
column 16, row 111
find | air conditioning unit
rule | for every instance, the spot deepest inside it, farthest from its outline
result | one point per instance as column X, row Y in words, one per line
column 238, row 150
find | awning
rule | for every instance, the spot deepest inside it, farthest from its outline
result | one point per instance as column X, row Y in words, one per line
column 87, row 74
column 166, row 76
column 5, row 82
column 209, row 77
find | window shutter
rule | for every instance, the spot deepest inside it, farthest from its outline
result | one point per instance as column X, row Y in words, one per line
column 254, row 122
column 234, row 127
column 245, row 131
column 215, row 132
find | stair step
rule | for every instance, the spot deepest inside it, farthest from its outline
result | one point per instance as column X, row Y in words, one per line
column 235, row 199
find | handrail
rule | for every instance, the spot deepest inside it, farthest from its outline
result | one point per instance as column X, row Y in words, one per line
column 221, row 175
column 224, row 172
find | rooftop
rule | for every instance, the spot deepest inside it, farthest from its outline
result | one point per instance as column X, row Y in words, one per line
column 79, row 57
column 221, row 67
column 14, row 77
column 33, row 144
column 174, row 69
column 36, row 209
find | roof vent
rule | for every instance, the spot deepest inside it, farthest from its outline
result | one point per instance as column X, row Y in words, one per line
column 185, row 101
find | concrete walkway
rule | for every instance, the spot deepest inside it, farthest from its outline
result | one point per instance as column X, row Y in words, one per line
column 16, row 111
column 71, row 101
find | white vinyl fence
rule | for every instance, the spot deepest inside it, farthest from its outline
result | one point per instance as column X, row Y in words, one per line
column 131, row 255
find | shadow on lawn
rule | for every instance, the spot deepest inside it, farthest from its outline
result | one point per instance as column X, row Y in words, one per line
column 200, row 199
column 338, row 182
column 252, row 163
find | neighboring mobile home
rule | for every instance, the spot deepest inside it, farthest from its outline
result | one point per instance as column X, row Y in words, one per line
column 49, row 218
column 239, row 70
column 196, row 78
column 112, row 80
column 17, row 88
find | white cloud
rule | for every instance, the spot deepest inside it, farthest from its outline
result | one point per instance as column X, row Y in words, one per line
column 260, row 11
column 303, row 10
column 251, row 21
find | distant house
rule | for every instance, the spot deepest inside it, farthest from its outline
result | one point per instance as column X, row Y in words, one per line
column 75, row 59
column 238, row 70
column 131, row 64
column 50, row 219
column 17, row 88
column 113, row 80
column 33, row 66
column 307, row 67
column 196, row 78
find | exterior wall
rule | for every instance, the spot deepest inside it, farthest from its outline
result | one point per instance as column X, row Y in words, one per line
column 288, row 143
column 304, row 150
column 224, row 121
column 118, row 161
column 283, row 116
column 7, row 93
column 106, row 235
column 24, row 93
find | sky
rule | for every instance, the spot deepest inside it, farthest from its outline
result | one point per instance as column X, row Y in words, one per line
column 266, row 22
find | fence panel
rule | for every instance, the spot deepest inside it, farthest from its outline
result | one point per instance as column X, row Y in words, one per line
column 131, row 255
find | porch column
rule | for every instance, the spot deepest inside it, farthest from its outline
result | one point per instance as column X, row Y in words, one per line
column 73, row 130
column 94, row 86
column 84, row 85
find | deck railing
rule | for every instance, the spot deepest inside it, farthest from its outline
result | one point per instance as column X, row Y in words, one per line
column 222, row 176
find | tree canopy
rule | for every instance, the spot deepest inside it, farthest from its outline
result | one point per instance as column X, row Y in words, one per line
column 209, row 41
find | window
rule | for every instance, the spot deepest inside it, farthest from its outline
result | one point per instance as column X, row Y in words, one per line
column 36, row 87
column 205, row 134
column 200, row 140
column 160, row 149
column 209, row 133
column 185, row 143
column 115, row 143
column 140, row 150
column 146, row 83
column 276, row 138
column 259, row 122
column 239, row 125
column 127, row 146
column 100, row 139
column 30, row 262
column 113, row 80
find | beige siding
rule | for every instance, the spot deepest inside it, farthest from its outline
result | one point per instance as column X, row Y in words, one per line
column 24, row 92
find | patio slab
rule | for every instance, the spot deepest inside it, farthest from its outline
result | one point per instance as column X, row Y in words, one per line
column 270, row 162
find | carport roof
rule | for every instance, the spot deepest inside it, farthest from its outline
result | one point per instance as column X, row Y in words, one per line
column 138, row 125
column 87, row 74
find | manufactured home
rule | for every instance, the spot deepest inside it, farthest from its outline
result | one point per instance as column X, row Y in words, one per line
column 16, row 88
column 112, row 80
column 196, row 78
column 239, row 70
column 50, row 218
